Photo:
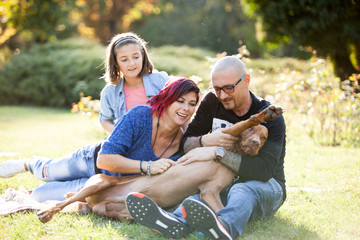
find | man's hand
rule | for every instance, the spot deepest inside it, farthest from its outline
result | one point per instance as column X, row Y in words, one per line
column 198, row 154
column 218, row 138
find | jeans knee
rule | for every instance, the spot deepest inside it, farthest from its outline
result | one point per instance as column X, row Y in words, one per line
column 240, row 188
column 37, row 195
column 47, row 192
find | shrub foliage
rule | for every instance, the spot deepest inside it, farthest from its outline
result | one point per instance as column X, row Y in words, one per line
column 53, row 74
column 326, row 108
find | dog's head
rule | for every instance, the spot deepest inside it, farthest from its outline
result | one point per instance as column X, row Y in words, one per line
column 251, row 140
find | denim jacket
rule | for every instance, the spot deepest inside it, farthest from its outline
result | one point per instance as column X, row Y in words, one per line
column 112, row 100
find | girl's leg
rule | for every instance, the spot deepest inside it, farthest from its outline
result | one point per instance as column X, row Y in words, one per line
column 79, row 164
column 56, row 190
column 11, row 168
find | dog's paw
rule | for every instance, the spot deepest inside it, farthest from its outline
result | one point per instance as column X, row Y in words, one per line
column 273, row 112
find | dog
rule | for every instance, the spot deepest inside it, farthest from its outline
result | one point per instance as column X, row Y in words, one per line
column 105, row 195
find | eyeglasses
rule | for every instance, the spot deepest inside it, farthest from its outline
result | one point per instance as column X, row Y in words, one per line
column 227, row 88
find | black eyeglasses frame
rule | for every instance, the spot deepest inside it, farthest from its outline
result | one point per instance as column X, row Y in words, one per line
column 229, row 88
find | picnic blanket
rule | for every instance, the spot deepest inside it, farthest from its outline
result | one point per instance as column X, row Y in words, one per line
column 12, row 201
column 17, row 200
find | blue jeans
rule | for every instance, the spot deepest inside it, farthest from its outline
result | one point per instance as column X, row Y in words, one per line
column 246, row 201
column 62, row 175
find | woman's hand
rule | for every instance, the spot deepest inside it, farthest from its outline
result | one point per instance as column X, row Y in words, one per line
column 198, row 154
column 161, row 165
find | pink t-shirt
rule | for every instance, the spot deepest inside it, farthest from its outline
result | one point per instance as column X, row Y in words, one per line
column 135, row 97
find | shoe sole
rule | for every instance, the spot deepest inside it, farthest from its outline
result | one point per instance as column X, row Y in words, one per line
column 146, row 212
column 202, row 219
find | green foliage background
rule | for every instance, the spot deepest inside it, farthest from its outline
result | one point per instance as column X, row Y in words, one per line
column 53, row 74
column 331, row 28
column 206, row 24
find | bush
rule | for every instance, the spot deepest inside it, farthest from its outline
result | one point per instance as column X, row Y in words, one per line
column 53, row 74
column 183, row 61
column 216, row 25
column 325, row 108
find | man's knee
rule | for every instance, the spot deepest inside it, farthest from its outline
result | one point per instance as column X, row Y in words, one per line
column 265, row 199
column 251, row 191
column 255, row 187
column 244, row 187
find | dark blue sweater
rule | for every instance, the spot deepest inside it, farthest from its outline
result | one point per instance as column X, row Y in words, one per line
column 131, row 137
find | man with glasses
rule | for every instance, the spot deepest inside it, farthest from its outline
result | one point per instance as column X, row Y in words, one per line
column 259, row 188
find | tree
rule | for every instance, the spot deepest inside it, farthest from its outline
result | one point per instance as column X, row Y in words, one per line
column 332, row 28
column 46, row 20
column 40, row 20
column 213, row 24
column 110, row 17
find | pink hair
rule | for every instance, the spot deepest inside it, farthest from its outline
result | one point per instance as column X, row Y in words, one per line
column 173, row 89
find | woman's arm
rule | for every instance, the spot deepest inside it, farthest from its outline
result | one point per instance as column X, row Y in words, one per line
column 120, row 164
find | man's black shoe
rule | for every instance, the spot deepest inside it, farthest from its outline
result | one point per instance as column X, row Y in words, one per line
column 201, row 218
column 146, row 212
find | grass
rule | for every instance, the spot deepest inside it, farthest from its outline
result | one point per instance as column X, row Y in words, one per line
column 323, row 184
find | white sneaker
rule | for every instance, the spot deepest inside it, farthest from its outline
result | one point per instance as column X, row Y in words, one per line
column 11, row 168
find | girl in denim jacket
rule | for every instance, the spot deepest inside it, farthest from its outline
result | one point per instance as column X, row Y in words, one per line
column 131, row 82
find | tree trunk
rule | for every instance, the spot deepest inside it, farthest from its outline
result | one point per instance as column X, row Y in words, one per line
column 343, row 68
column 357, row 55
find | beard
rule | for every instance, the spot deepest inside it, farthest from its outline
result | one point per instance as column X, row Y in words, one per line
column 228, row 103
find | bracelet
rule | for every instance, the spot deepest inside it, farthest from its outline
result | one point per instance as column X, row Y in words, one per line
column 141, row 169
column 148, row 165
column 201, row 145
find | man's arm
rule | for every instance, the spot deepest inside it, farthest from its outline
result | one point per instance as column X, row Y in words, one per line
column 217, row 138
column 200, row 125
column 232, row 160
column 191, row 143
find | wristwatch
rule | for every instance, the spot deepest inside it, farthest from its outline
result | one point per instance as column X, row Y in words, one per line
column 219, row 154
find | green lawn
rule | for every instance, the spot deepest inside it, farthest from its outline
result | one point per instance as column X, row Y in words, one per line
column 323, row 183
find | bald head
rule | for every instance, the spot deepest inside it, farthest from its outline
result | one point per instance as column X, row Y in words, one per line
column 228, row 62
